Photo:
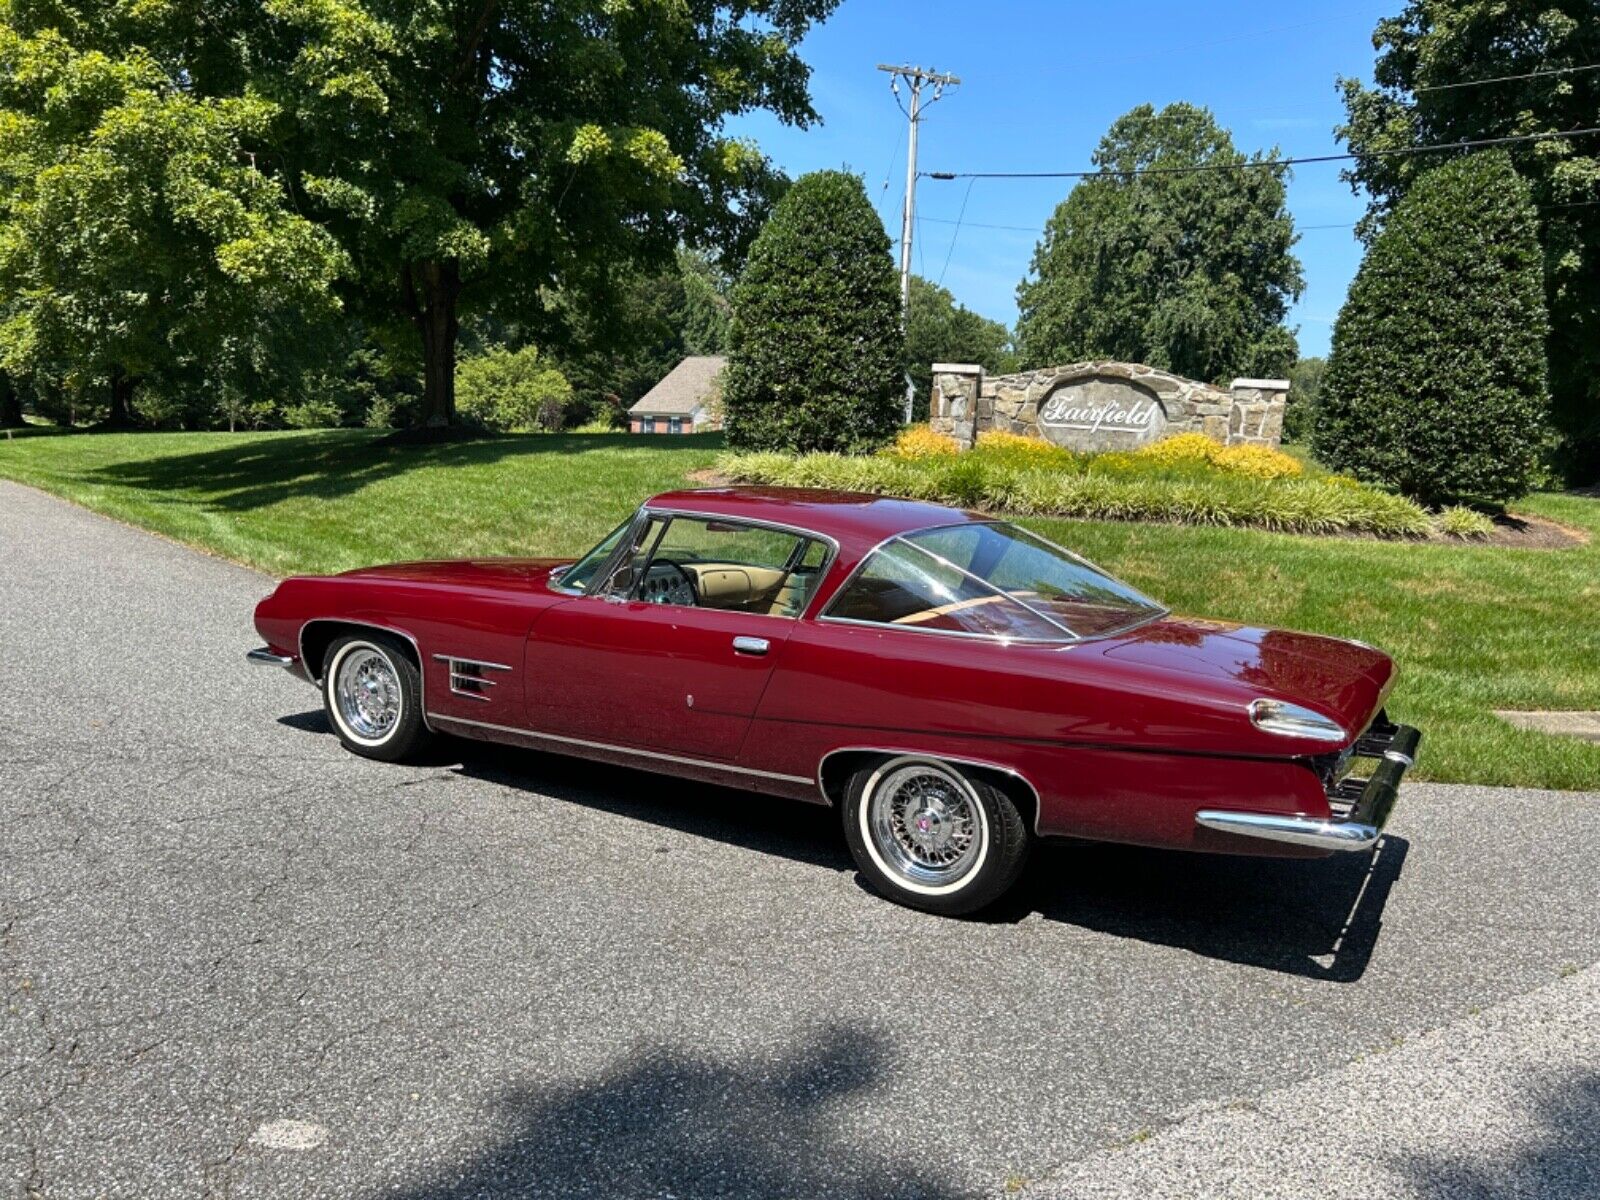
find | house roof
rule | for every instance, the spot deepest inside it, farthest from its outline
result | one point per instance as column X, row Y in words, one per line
column 686, row 387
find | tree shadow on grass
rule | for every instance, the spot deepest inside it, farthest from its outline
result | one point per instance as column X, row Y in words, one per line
column 242, row 476
column 671, row 1124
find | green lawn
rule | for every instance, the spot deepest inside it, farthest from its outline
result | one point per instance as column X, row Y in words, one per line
column 1473, row 628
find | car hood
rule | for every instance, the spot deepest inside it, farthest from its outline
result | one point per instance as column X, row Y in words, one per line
column 462, row 572
column 1345, row 680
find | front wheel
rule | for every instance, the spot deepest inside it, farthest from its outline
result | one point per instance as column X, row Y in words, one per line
column 932, row 836
column 373, row 694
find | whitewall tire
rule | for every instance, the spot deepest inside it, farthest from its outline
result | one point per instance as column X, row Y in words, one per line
column 932, row 835
column 372, row 690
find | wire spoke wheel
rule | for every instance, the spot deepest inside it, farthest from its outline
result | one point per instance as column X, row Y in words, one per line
column 925, row 824
column 368, row 693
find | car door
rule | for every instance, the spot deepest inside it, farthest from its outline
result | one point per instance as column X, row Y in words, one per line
column 674, row 652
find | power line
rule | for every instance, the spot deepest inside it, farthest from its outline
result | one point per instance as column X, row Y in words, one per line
column 981, row 225
column 1446, row 87
column 956, row 232
column 1265, row 163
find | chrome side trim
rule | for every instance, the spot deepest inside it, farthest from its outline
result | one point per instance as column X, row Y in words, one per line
column 466, row 675
column 422, row 662
column 1300, row 831
column 263, row 657
column 932, row 756
column 705, row 763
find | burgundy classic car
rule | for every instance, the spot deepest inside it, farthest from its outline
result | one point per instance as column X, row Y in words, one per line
column 955, row 685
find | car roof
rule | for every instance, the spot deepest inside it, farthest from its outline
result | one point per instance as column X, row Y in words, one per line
column 856, row 520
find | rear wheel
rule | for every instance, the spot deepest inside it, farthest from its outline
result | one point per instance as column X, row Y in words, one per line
column 373, row 694
column 932, row 836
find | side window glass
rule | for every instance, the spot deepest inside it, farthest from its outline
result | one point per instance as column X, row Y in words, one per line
column 902, row 585
column 726, row 565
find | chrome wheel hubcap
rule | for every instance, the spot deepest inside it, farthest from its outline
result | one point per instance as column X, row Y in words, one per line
column 367, row 692
column 925, row 825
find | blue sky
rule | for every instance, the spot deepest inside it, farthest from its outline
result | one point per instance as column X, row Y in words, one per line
column 1041, row 82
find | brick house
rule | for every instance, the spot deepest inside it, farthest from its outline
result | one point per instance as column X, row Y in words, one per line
column 683, row 402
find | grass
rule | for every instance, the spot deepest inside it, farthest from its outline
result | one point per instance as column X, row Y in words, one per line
column 1473, row 627
column 330, row 500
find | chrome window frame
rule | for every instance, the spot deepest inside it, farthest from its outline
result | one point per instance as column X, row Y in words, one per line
column 1068, row 638
column 647, row 512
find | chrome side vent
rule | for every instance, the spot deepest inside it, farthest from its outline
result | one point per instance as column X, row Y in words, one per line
column 470, row 676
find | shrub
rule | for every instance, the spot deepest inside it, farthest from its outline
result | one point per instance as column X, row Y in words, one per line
column 511, row 390
column 1467, row 523
column 1182, row 448
column 920, row 441
column 815, row 344
column 1295, row 505
column 1260, row 462
column 999, row 448
column 1436, row 384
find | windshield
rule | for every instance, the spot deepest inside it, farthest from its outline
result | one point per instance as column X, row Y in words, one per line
column 580, row 575
column 995, row 580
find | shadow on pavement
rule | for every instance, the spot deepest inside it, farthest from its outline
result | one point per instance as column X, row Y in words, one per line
column 1564, row 1164
column 1315, row 918
column 673, row 1125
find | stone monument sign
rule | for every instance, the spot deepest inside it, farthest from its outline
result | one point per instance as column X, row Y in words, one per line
column 1104, row 406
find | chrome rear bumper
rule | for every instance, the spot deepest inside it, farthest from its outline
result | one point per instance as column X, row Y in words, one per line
column 1395, row 748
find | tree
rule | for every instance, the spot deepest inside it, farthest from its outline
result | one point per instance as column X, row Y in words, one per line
column 10, row 404
column 1305, row 390
column 1436, row 385
column 136, row 236
column 815, row 348
column 1428, row 59
column 940, row 330
column 1188, row 271
column 481, row 155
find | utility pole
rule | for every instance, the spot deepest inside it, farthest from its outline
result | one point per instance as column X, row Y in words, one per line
column 915, row 78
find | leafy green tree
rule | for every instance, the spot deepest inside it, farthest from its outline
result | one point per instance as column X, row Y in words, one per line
column 940, row 330
column 477, row 156
column 1436, row 385
column 10, row 404
column 1187, row 270
column 136, row 234
column 513, row 391
column 1305, row 390
column 1428, row 59
column 815, row 348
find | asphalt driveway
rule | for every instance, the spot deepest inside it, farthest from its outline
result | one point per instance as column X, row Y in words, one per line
column 239, row 961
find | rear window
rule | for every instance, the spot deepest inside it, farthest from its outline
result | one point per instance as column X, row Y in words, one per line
column 989, row 579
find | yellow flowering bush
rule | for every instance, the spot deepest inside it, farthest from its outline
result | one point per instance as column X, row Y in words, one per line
column 920, row 441
column 1258, row 462
column 1019, row 452
column 1196, row 449
column 1186, row 449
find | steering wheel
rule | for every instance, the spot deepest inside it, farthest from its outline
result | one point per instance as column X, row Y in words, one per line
column 667, row 583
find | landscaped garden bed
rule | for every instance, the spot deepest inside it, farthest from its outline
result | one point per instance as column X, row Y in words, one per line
column 1189, row 480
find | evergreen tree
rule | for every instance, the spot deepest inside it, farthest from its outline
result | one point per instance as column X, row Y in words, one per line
column 816, row 352
column 1436, row 384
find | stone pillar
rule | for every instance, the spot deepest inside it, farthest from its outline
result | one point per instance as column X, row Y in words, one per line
column 953, row 408
column 1256, row 415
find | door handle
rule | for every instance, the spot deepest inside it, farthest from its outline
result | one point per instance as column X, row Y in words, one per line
column 750, row 645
